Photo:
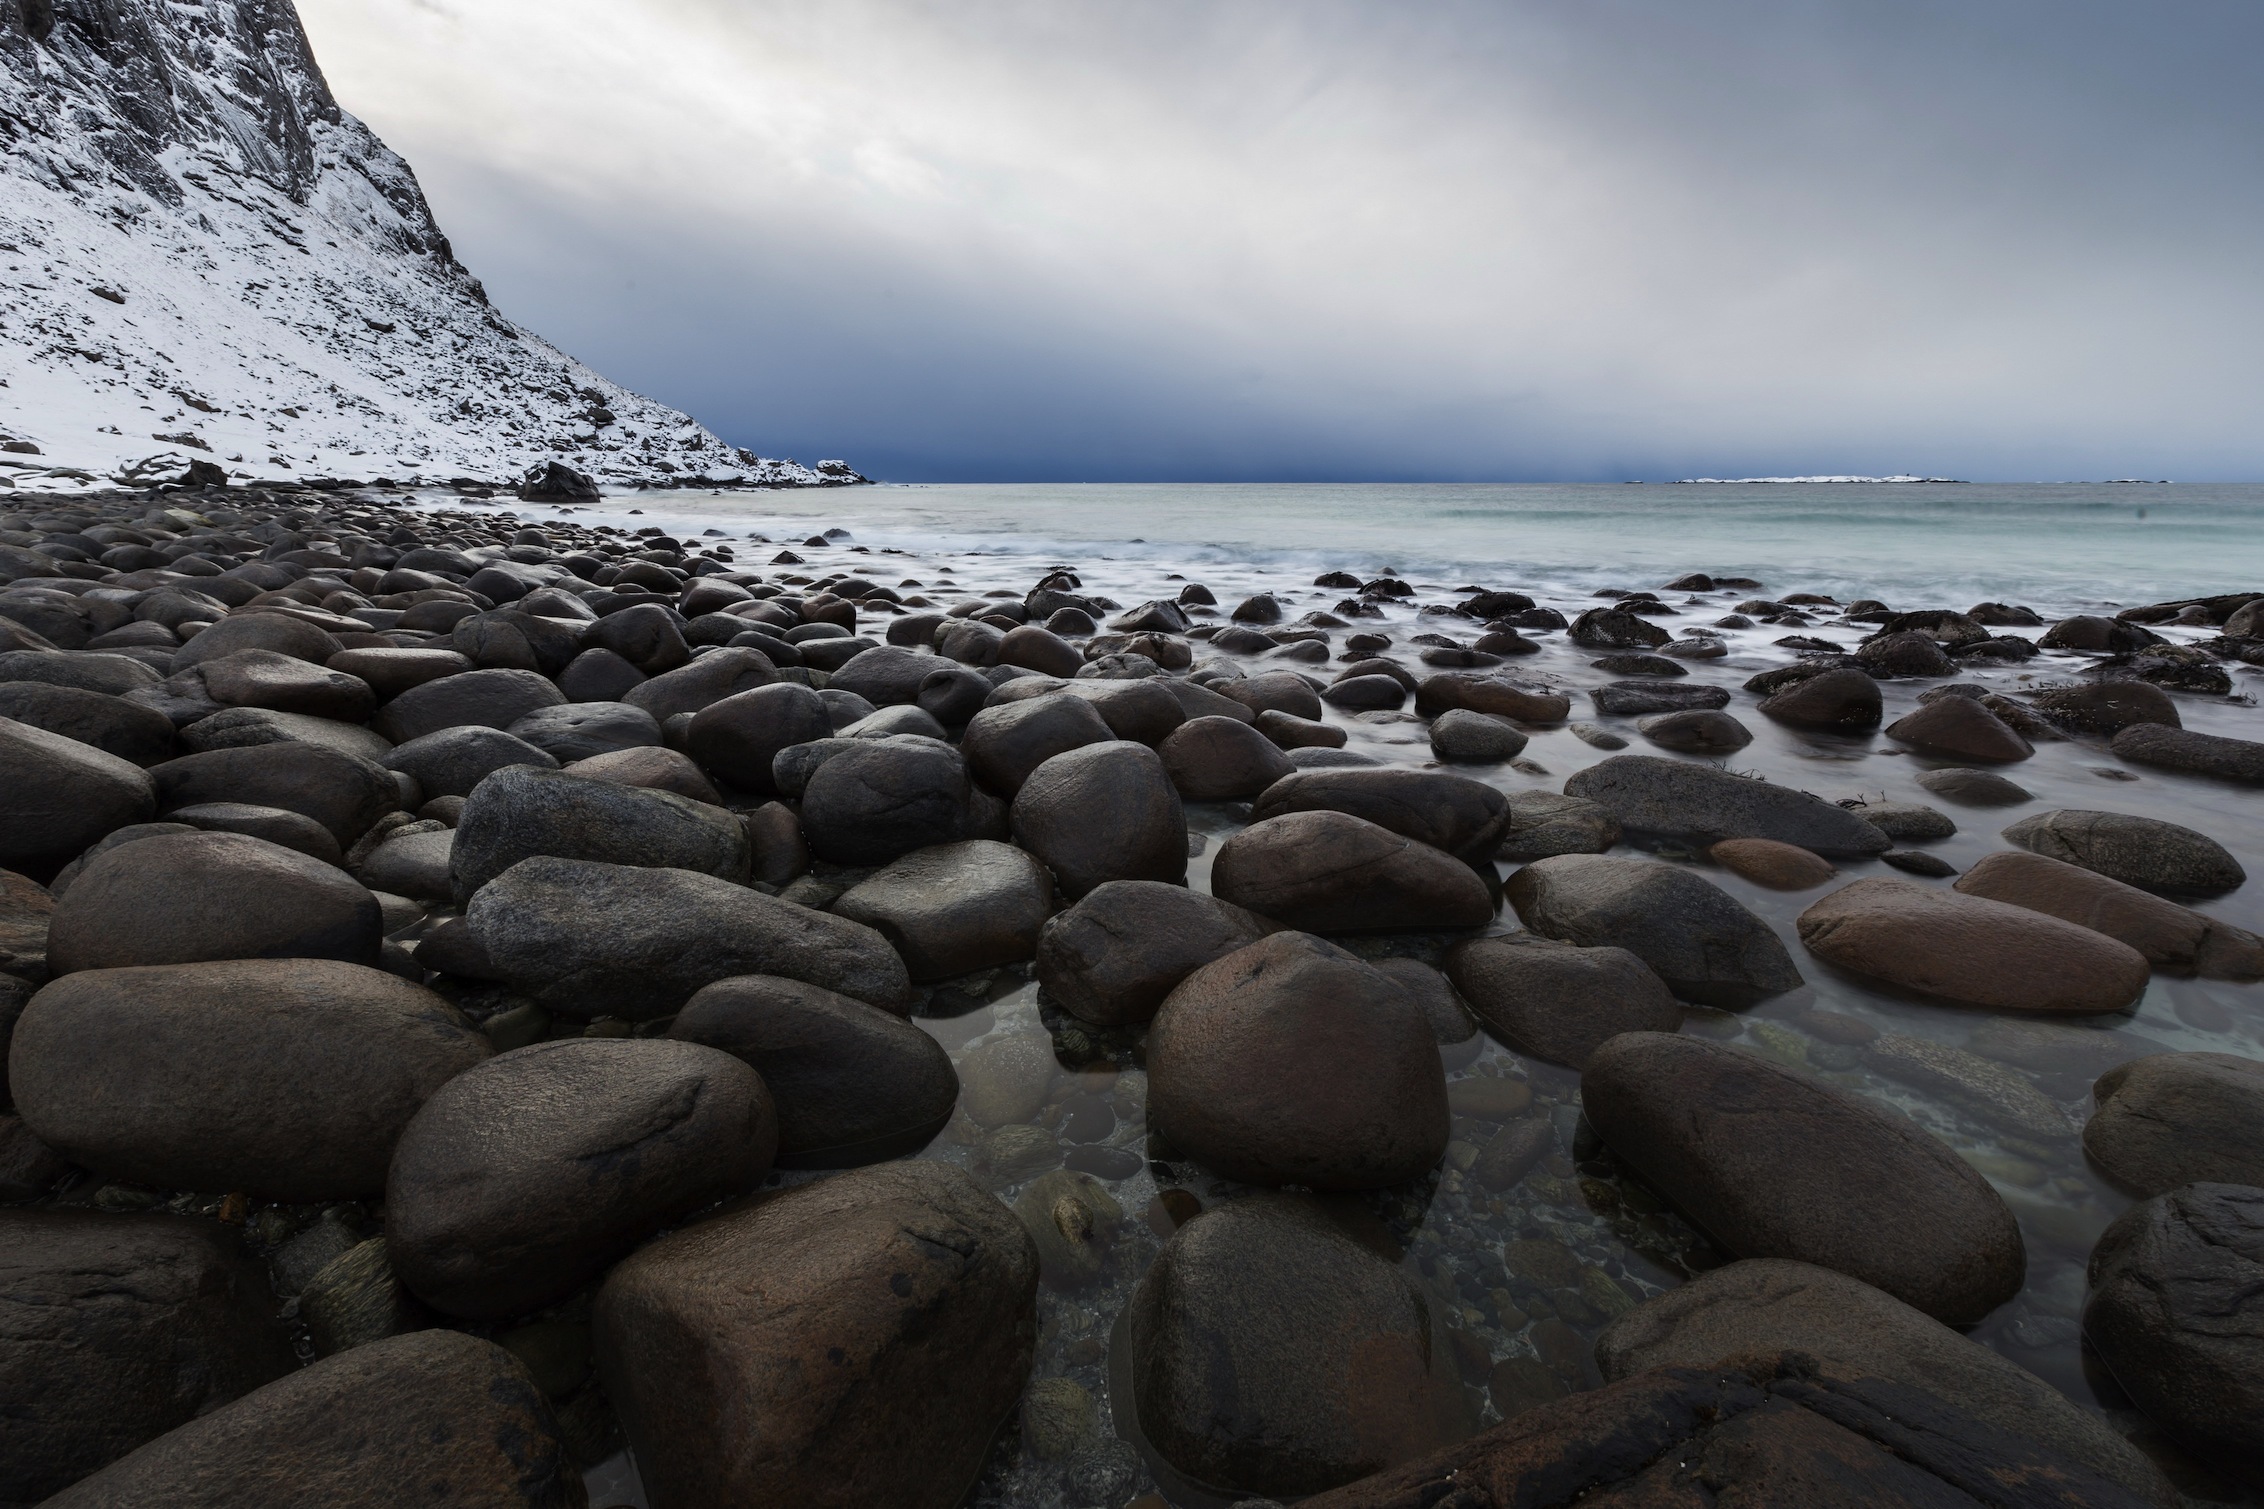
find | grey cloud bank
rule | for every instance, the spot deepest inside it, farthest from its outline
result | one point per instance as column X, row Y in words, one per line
column 1337, row 241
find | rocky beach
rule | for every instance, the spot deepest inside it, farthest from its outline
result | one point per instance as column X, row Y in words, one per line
column 505, row 996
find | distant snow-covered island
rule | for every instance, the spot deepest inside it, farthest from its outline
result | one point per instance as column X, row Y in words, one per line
column 1743, row 481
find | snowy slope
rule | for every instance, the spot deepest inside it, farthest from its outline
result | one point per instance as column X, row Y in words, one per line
column 201, row 255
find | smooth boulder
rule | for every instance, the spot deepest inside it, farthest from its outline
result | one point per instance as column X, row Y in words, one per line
column 1289, row 1061
column 58, row 795
column 2193, row 752
column 289, row 1078
column 1330, row 872
column 1217, row 759
column 854, row 1341
column 1557, row 1001
column 1004, row 743
column 344, row 792
column 1843, row 701
column 1694, row 936
column 1102, row 812
column 875, row 800
column 739, row 737
column 489, row 699
column 453, row 761
column 1467, row 818
column 590, row 940
column 853, row 1083
column 1772, row 1163
column 523, row 811
column 2140, row 851
column 1703, row 805
column 1112, row 957
column 1970, row 950
column 525, row 1177
column 2179, row 1118
column 955, row 908
column 1960, row 728
column 2171, row 937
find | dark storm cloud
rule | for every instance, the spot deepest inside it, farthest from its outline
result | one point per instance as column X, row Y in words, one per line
column 1309, row 240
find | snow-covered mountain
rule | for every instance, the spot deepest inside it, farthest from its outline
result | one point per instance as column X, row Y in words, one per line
column 203, row 257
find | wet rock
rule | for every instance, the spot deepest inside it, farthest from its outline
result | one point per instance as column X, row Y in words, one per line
column 580, row 730
column 738, row 738
column 356, row 1299
column 1762, row 1306
column 1512, row 1152
column 2139, row 851
column 1629, row 698
column 390, row 672
column 707, row 680
column 1960, row 728
column 598, row 676
column 646, row 636
column 1703, row 805
column 263, row 678
column 1112, row 958
column 1765, row 862
column 454, row 760
column 272, row 632
column 1906, row 822
column 886, row 675
column 1613, row 629
column 2193, row 752
column 1838, row 701
column 1103, row 812
column 1970, row 950
column 590, row 940
column 1974, row 788
column 1291, row 1062
column 115, row 1329
column 654, row 769
column 1452, row 1026
column 1331, row 872
column 136, row 734
column 343, row 792
column 2106, row 707
column 879, row 1325
column 1699, row 732
column 2170, row 936
column 1072, row 1221
column 244, row 727
column 1268, row 1352
column 1771, row 1163
column 58, row 795
column 2177, row 1286
column 491, row 699
column 523, row 1178
column 852, row 1083
column 1462, row 737
column 1480, row 693
column 1220, row 759
column 1039, row 649
column 955, row 908
column 1370, row 693
column 1974, row 1084
column 1543, row 823
column 2097, row 635
column 1005, row 743
column 2179, row 1118
column 289, row 1078
column 26, row 912
column 1465, row 817
column 1557, row 1001
column 1905, row 654
column 454, row 1414
column 878, row 800
column 522, row 811
column 184, row 897
column 1704, row 945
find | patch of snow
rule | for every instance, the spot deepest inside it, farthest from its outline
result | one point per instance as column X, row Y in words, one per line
column 203, row 258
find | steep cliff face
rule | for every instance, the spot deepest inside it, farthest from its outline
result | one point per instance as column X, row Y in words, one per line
column 202, row 256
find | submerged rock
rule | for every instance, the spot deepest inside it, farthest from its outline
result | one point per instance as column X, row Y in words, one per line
column 1703, row 805
column 1705, row 946
column 2140, row 851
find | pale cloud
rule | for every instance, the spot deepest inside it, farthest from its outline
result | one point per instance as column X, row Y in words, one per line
column 1304, row 237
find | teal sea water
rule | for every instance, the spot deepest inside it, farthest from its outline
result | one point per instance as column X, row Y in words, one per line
column 2058, row 546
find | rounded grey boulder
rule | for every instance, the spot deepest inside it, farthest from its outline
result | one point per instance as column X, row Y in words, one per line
column 58, row 795
column 1103, row 812
column 739, row 738
column 524, row 1177
column 2142, row 851
column 1330, row 872
column 1704, row 805
column 451, row 761
column 288, row 1078
column 1558, row 1001
column 1705, row 946
column 582, row 730
column 522, row 811
column 1112, row 958
column 955, row 908
column 1004, row 743
column 875, row 800
column 491, row 699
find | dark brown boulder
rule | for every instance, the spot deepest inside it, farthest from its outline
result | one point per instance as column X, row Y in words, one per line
column 114, row 1329
column 288, row 1078
column 853, row 1083
column 853, row 1341
column 1479, row 693
column 591, row 940
column 489, row 698
column 1290, row 1061
column 1960, row 728
column 654, row 769
column 706, row 681
column 738, row 737
column 456, row 1416
column 1771, row 1163
column 184, row 897
column 1557, row 1001
column 2176, row 1312
column 1103, row 812
column 1221, row 760
column 874, row 800
column 2145, row 852
column 287, row 684
column 1693, row 935
column 1776, row 1432
column 1763, row 1306
column 526, row 1176
column 1704, row 805
column 1841, row 701
column 522, row 811
column 1330, row 872
column 2170, row 936
column 1039, row 649
column 955, row 908
column 2106, row 707
column 391, row 672
column 1268, row 1350
column 136, row 734
column 275, row 632
column 1616, row 629
column 2192, row 751
column 343, row 792
column 1112, row 958
column 57, row 796
column 2179, row 1118
column 1465, row 817
column 1004, row 743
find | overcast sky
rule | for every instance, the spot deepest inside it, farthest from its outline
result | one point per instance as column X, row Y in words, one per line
column 1301, row 239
